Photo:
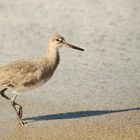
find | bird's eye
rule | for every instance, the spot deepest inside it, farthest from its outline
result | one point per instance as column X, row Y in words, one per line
column 57, row 40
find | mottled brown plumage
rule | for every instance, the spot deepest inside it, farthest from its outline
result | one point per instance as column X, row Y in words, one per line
column 27, row 74
column 22, row 75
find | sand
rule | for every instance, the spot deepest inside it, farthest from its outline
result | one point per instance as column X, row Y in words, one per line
column 93, row 95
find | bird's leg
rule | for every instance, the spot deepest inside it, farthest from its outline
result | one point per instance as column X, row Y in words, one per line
column 20, row 111
column 19, row 114
column 14, row 104
column 3, row 95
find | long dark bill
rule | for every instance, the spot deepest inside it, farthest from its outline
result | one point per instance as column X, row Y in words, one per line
column 74, row 47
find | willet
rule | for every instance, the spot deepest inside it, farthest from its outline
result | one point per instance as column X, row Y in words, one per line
column 28, row 74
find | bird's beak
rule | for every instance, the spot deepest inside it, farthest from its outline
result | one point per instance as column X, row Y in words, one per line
column 73, row 47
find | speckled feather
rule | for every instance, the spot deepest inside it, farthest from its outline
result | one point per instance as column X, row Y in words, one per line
column 23, row 74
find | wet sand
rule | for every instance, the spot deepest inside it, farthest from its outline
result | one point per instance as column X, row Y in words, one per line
column 93, row 95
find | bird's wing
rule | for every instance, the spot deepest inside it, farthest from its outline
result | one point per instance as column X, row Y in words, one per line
column 18, row 72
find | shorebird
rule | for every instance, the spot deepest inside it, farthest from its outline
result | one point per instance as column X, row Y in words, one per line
column 28, row 74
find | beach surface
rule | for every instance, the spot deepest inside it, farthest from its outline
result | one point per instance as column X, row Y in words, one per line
column 93, row 95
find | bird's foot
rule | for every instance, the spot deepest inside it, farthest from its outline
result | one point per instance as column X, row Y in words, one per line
column 22, row 123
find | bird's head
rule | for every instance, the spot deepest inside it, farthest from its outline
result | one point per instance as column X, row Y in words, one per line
column 57, row 41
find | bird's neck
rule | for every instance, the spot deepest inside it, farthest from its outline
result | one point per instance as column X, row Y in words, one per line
column 53, row 55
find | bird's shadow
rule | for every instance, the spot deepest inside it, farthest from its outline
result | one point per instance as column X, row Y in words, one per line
column 79, row 114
